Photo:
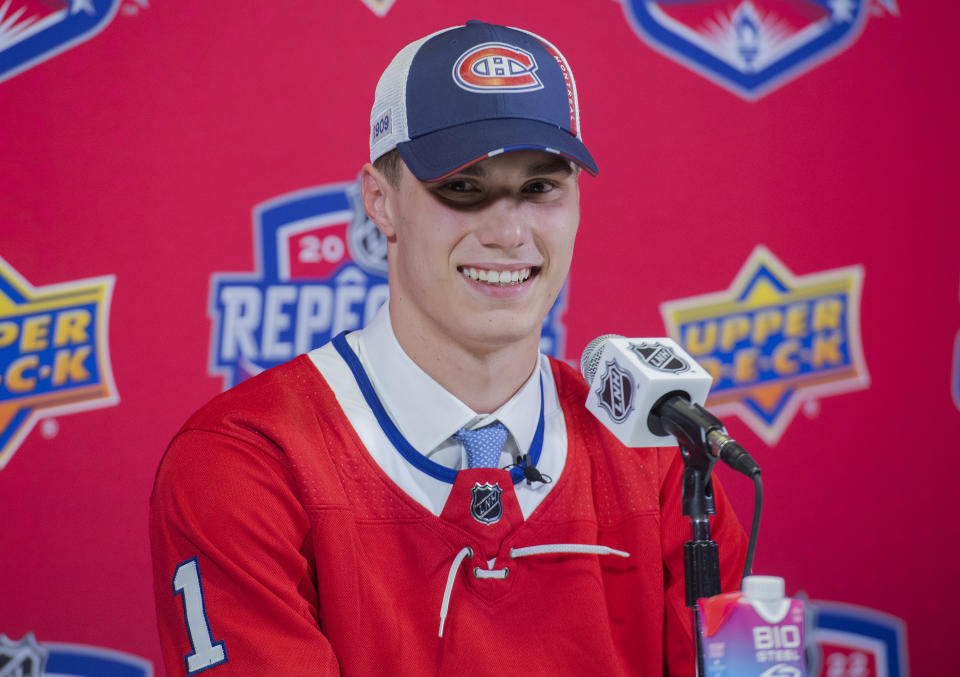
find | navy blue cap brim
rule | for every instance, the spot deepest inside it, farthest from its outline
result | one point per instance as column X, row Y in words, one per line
column 437, row 155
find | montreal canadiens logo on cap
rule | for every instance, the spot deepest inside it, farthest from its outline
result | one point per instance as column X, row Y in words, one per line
column 496, row 67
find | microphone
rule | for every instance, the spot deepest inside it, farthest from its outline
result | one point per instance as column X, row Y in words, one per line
column 637, row 384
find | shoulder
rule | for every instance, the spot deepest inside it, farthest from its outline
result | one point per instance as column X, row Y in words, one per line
column 611, row 460
column 269, row 431
column 255, row 420
column 288, row 394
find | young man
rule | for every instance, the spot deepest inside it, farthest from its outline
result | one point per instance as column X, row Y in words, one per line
column 428, row 495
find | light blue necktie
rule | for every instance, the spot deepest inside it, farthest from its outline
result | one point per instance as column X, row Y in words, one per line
column 483, row 445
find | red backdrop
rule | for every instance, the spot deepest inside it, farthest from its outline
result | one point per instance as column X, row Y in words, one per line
column 140, row 152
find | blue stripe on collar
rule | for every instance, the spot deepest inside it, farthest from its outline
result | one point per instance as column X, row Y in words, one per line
column 406, row 450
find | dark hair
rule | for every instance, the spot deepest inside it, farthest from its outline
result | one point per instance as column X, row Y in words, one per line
column 389, row 164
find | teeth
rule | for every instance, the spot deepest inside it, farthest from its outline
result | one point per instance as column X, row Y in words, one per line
column 499, row 278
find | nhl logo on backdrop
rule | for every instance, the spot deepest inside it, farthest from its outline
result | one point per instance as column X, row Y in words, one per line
column 751, row 47
column 321, row 268
column 32, row 31
column 24, row 658
column 496, row 67
column 615, row 393
column 486, row 505
column 774, row 342
column 27, row 657
column 54, row 357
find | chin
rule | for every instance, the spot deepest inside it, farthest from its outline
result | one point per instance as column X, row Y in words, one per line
column 500, row 331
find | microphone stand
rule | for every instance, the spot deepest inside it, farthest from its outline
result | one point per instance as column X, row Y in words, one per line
column 691, row 424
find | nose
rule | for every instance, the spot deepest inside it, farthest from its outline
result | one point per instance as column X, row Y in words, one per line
column 506, row 225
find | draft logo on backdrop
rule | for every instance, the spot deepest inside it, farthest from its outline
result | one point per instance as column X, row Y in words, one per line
column 774, row 341
column 751, row 47
column 855, row 640
column 32, row 31
column 321, row 268
column 955, row 376
column 54, row 355
column 28, row 658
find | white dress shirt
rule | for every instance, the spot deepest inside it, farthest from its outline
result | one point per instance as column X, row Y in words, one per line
column 427, row 415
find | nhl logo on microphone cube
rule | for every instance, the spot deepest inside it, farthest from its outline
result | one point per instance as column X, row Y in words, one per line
column 660, row 357
column 615, row 394
column 629, row 376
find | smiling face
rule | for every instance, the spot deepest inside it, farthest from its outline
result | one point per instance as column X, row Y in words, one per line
column 477, row 259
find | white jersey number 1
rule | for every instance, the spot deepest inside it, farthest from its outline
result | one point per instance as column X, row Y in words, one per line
column 206, row 652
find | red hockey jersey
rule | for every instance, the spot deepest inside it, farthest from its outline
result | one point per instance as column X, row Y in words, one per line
column 281, row 548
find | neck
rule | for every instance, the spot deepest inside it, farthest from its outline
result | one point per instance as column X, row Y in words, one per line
column 481, row 377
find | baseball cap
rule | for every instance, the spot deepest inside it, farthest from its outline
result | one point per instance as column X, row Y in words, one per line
column 466, row 93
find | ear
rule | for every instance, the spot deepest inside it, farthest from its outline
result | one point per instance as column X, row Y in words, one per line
column 377, row 198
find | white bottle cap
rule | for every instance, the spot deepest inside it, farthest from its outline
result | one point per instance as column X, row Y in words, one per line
column 764, row 588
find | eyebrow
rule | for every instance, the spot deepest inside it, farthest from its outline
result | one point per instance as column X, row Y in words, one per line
column 551, row 166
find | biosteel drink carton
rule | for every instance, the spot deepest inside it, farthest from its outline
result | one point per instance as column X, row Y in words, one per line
column 754, row 633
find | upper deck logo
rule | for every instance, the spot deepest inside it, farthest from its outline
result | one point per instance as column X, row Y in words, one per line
column 32, row 31
column 774, row 341
column 497, row 67
column 54, row 357
column 751, row 47
column 321, row 270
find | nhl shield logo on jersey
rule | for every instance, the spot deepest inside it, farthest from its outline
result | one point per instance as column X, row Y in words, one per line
column 486, row 505
column 321, row 270
column 54, row 357
column 774, row 341
column 615, row 393
column 660, row 357
column 751, row 47
column 496, row 67
column 32, row 31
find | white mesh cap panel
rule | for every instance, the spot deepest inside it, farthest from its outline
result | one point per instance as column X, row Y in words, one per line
column 388, row 117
